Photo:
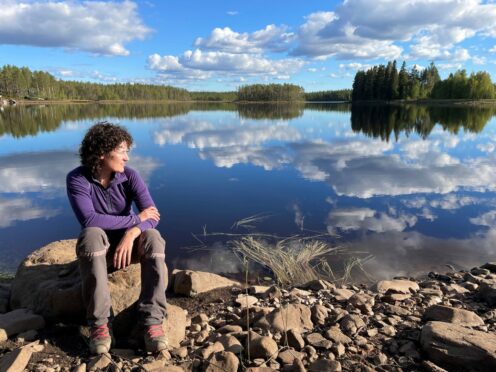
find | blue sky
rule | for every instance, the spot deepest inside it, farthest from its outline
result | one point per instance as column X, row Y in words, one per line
column 220, row 44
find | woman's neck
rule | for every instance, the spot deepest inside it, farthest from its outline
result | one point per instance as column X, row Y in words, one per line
column 104, row 177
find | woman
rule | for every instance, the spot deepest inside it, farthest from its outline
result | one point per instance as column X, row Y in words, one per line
column 101, row 192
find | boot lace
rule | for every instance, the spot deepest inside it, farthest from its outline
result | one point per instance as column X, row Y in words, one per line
column 98, row 332
column 155, row 331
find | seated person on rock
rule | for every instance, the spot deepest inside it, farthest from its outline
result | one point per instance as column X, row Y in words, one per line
column 101, row 192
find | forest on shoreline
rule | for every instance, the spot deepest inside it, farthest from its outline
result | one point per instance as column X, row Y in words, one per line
column 382, row 83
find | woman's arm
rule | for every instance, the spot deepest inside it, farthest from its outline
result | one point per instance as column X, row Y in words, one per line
column 78, row 191
column 142, row 198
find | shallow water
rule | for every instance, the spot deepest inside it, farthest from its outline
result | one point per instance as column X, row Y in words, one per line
column 412, row 186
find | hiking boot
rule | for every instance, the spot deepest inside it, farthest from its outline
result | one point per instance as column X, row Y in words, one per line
column 100, row 339
column 155, row 339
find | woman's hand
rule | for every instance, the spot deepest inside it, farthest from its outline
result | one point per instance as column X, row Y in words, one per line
column 124, row 250
column 150, row 213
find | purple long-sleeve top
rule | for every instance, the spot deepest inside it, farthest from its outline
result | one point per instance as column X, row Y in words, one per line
column 109, row 208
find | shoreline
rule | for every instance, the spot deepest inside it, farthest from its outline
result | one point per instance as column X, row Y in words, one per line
column 441, row 322
column 427, row 102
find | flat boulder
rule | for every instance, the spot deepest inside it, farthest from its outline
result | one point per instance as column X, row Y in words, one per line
column 190, row 283
column 455, row 347
column 452, row 315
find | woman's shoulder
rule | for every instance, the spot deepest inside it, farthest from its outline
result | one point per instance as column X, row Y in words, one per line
column 78, row 177
column 131, row 174
column 77, row 172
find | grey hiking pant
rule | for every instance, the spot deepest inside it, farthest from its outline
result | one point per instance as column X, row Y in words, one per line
column 95, row 249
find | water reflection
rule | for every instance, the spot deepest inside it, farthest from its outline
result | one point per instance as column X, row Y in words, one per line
column 20, row 121
column 382, row 121
column 427, row 195
column 271, row 111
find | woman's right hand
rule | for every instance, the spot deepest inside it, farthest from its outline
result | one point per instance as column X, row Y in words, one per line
column 150, row 213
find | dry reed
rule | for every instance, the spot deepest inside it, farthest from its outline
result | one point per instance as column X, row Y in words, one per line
column 293, row 261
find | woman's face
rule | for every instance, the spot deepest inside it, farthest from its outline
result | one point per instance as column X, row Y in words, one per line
column 116, row 159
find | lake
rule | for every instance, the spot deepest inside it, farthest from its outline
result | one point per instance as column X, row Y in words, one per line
column 411, row 187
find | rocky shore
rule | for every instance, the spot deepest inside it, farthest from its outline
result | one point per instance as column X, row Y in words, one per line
column 443, row 322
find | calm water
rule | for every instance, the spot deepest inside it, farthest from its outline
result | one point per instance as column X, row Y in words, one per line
column 413, row 186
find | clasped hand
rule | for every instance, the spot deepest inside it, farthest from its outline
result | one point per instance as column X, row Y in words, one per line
column 124, row 251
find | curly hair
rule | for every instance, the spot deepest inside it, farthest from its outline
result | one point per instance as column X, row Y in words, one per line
column 100, row 139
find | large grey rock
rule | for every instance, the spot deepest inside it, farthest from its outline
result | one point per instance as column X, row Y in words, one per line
column 48, row 283
column 287, row 317
column 453, row 346
column 452, row 315
column 190, row 283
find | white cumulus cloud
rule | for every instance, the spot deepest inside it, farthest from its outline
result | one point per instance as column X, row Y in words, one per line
column 203, row 64
column 93, row 26
column 272, row 38
column 364, row 29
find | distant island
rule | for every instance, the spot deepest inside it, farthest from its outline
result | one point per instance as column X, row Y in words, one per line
column 379, row 83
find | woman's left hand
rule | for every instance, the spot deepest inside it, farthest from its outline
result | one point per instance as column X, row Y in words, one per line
column 123, row 252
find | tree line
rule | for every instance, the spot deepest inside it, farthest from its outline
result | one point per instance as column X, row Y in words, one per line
column 21, row 82
column 271, row 92
column 385, row 82
column 329, row 95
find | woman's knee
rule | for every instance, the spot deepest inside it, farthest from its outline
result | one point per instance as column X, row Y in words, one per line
column 153, row 243
column 92, row 241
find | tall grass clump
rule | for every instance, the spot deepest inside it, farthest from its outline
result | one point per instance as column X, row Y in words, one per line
column 293, row 261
